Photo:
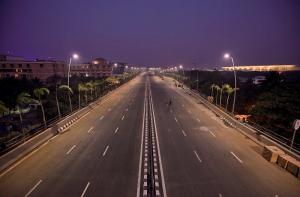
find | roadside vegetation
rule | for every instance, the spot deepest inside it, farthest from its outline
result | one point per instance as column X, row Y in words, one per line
column 29, row 106
column 273, row 104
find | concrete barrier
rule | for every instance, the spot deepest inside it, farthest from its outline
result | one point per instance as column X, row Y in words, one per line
column 271, row 153
column 293, row 167
column 283, row 160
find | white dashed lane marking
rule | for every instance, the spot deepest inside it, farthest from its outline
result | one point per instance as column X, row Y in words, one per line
column 70, row 150
column 183, row 132
column 91, row 129
column 33, row 188
column 116, row 129
column 85, row 189
column 195, row 152
column 211, row 133
column 104, row 153
column 236, row 157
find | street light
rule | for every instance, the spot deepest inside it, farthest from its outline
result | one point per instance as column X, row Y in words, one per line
column 228, row 56
column 74, row 56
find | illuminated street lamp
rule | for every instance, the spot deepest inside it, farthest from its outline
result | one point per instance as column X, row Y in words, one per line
column 228, row 56
column 74, row 56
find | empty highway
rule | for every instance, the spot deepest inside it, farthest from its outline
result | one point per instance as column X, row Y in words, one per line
column 133, row 135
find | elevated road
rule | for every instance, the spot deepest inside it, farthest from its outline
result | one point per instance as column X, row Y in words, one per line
column 103, row 154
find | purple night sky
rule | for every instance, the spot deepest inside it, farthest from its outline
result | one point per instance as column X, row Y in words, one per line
column 154, row 32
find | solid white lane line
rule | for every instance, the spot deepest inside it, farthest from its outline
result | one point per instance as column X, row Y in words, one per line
column 69, row 151
column 23, row 159
column 116, row 129
column 53, row 137
column 183, row 132
column 175, row 119
column 212, row 133
column 90, row 129
column 105, row 151
column 158, row 149
column 197, row 156
column 123, row 117
column 101, row 117
column 33, row 188
column 86, row 187
column 236, row 157
column 141, row 150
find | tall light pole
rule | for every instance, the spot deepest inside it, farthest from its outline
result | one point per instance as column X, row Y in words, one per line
column 75, row 56
column 228, row 56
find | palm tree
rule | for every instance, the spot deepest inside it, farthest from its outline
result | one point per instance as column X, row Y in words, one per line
column 22, row 99
column 229, row 90
column 57, row 103
column 217, row 88
column 81, row 87
column 70, row 91
column 212, row 89
column 39, row 92
column 224, row 87
column 90, row 87
column 3, row 108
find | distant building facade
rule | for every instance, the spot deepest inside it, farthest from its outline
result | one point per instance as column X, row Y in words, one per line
column 264, row 68
column 17, row 67
column 99, row 67
column 118, row 68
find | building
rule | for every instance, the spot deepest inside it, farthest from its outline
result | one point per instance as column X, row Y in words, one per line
column 118, row 68
column 17, row 67
column 258, row 79
column 264, row 68
column 99, row 67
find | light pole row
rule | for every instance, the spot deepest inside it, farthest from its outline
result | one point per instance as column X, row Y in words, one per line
column 226, row 56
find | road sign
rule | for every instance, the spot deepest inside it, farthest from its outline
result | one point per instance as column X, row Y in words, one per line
column 296, row 124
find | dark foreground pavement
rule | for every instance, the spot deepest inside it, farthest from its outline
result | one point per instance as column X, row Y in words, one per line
column 99, row 155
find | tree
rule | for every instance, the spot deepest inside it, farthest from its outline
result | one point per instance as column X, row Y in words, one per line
column 224, row 87
column 229, row 90
column 23, row 99
column 81, row 87
column 90, row 87
column 218, row 89
column 39, row 92
column 3, row 108
column 212, row 89
column 69, row 90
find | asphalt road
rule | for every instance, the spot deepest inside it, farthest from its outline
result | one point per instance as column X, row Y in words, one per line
column 100, row 154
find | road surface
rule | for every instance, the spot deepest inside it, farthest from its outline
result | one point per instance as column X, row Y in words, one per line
column 191, row 151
